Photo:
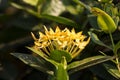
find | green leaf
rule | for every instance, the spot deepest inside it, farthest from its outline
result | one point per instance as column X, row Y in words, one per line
column 26, row 9
column 43, row 56
column 93, row 21
column 82, row 4
column 60, row 19
column 112, row 70
column 96, row 40
column 31, row 2
column 105, row 1
column 87, row 62
column 57, row 55
column 53, row 7
column 100, row 71
column 117, row 46
column 33, row 62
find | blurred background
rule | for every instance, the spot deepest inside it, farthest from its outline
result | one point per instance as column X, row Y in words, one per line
column 18, row 18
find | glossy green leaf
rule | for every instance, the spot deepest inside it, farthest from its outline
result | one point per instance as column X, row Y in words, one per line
column 87, row 62
column 96, row 40
column 113, row 70
column 33, row 62
column 57, row 55
column 31, row 2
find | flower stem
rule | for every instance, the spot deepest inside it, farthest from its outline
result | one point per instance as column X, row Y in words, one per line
column 112, row 40
column 117, row 59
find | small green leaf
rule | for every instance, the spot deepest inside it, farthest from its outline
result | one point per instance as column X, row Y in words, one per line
column 117, row 46
column 112, row 70
column 96, row 40
column 78, row 65
column 33, row 62
column 105, row 1
column 31, row 2
column 57, row 55
column 41, row 54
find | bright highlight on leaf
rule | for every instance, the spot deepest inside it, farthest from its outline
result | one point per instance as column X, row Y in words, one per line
column 31, row 2
column 62, row 40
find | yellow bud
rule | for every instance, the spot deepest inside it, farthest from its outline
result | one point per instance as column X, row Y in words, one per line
column 105, row 21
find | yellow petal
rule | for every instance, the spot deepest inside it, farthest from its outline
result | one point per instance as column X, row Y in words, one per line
column 73, row 31
column 57, row 29
column 51, row 31
column 41, row 35
column 33, row 36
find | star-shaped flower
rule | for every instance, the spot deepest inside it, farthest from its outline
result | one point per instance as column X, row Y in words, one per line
column 64, row 40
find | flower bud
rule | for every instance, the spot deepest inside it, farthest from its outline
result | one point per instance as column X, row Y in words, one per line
column 105, row 21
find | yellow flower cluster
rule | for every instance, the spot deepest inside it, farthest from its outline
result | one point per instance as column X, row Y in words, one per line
column 66, row 40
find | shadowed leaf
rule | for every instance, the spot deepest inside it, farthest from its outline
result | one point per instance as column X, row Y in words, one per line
column 112, row 70
column 33, row 61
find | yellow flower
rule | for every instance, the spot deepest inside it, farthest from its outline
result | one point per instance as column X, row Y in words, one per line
column 64, row 40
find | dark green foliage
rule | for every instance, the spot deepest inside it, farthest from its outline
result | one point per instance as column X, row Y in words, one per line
column 20, row 17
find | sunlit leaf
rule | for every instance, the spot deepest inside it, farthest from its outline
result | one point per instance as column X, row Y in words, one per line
column 96, row 40
column 87, row 62
column 37, row 52
column 31, row 2
column 112, row 70
column 53, row 7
